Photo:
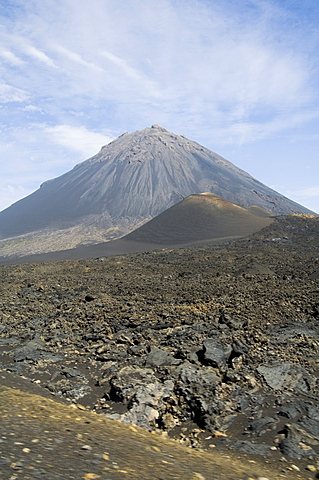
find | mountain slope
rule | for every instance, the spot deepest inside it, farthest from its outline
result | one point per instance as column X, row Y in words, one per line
column 198, row 218
column 130, row 181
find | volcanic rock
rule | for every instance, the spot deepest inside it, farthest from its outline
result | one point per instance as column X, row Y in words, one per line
column 215, row 353
column 285, row 375
column 293, row 449
column 176, row 340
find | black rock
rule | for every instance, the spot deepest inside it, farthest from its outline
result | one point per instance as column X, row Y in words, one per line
column 311, row 426
column 290, row 410
column 158, row 358
column 251, row 448
column 261, row 424
column 285, row 375
column 291, row 448
column 215, row 353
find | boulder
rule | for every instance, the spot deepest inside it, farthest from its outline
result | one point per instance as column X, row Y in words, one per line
column 215, row 353
column 292, row 448
column 142, row 393
column 159, row 358
column 279, row 376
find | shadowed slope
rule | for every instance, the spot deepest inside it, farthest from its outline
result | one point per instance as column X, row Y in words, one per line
column 198, row 218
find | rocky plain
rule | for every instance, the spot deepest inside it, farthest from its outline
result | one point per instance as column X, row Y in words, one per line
column 217, row 345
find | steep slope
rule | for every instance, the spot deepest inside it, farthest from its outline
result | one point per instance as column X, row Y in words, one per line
column 130, row 181
column 198, row 218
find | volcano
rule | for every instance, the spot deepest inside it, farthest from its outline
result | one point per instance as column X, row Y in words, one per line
column 199, row 218
column 130, row 181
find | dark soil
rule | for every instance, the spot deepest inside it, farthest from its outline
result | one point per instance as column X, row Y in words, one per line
column 216, row 345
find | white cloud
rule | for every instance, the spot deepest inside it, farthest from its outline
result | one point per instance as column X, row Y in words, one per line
column 226, row 72
column 38, row 55
column 76, row 57
column 78, row 139
column 150, row 86
column 209, row 62
column 240, row 132
column 32, row 108
column 38, row 153
column 10, row 57
column 9, row 93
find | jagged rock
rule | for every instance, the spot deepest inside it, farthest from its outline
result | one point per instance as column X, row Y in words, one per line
column 231, row 322
column 71, row 372
column 30, row 351
column 290, row 332
column 215, row 353
column 294, row 449
column 192, row 375
column 311, row 426
column 33, row 351
column 312, row 412
column 158, row 358
column 143, row 395
column 69, row 389
column 163, row 307
column 284, row 376
column 301, row 431
column 259, row 425
column 290, row 410
column 195, row 387
column 239, row 347
column 251, row 448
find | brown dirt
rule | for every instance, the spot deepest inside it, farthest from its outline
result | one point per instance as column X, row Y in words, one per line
column 44, row 438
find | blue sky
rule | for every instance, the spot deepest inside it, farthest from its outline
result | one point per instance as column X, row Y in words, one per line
column 240, row 77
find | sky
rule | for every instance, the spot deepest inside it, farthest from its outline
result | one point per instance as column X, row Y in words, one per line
column 240, row 77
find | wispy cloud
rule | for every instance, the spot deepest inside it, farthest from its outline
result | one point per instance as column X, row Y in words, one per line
column 39, row 152
column 132, row 74
column 241, row 131
column 76, row 57
column 38, row 55
column 10, row 58
column 9, row 93
column 208, row 61
column 78, row 139
column 223, row 73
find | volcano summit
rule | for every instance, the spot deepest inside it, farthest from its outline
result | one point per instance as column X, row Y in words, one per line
column 130, row 181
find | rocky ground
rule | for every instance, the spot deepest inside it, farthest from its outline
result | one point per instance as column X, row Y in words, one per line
column 217, row 345
column 42, row 437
